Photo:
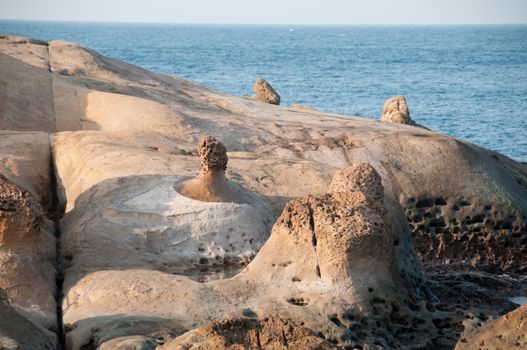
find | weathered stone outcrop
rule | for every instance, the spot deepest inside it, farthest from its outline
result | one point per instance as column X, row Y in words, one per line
column 27, row 271
column 211, row 185
column 264, row 92
column 248, row 333
column 340, row 264
column 17, row 332
column 507, row 332
column 396, row 110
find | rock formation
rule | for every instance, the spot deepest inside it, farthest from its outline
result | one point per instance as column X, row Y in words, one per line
column 264, row 92
column 248, row 333
column 26, row 273
column 17, row 332
column 395, row 110
column 112, row 144
column 507, row 332
column 211, row 184
column 339, row 264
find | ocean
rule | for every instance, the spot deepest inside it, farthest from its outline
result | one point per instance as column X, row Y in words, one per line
column 469, row 82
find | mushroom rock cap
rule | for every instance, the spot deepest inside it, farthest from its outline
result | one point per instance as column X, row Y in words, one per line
column 264, row 92
column 213, row 154
column 396, row 111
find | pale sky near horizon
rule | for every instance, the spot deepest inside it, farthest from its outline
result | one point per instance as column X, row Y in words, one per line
column 272, row 11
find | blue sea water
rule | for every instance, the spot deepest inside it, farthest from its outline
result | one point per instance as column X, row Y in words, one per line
column 469, row 82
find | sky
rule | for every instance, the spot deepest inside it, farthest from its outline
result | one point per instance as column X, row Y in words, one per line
column 351, row 12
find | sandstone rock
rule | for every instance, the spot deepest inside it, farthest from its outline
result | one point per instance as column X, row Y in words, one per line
column 121, row 332
column 415, row 165
column 137, row 342
column 27, row 273
column 17, row 332
column 264, row 92
column 395, row 110
column 211, row 184
column 31, row 51
column 133, row 143
column 246, row 333
column 25, row 160
column 507, row 332
column 330, row 264
column 144, row 222
column 303, row 107
column 33, row 100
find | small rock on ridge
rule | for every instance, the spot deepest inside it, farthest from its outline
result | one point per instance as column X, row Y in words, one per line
column 396, row 111
column 264, row 92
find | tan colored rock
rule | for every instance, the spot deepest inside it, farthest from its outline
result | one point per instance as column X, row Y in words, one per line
column 507, row 332
column 33, row 99
column 25, row 160
column 27, row 272
column 264, row 92
column 395, row 110
column 118, row 175
column 17, row 332
column 137, row 342
column 303, row 107
column 211, row 185
column 246, row 333
column 30, row 51
column 330, row 263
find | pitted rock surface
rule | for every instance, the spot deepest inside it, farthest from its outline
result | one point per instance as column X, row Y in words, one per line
column 264, row 92
column 395, row 110
column 213, row 154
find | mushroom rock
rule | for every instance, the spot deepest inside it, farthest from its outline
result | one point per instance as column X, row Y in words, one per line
column 27, row 271
column 205, row 227
column 396, row 111
column 211, row 184
column 507, row 332
column 248, row 333
column 264, row 92
column 17, row 332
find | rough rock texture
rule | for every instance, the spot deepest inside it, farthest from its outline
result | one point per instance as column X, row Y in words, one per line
column 122, row 102
column 264, row 92
column 17, row 332
column 213, row 154
column 507, row 332
column 27, row 270
column 211, row 185
column 25, row 160
column 137, row 342
column 123, row 139
column 395, row 110
column 246, row 333
column 339, row 264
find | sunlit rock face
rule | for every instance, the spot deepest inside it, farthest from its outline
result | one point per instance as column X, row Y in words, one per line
column 264, row 92
column 27, row 256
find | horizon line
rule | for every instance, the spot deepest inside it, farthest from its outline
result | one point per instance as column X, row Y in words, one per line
column 265, row 24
